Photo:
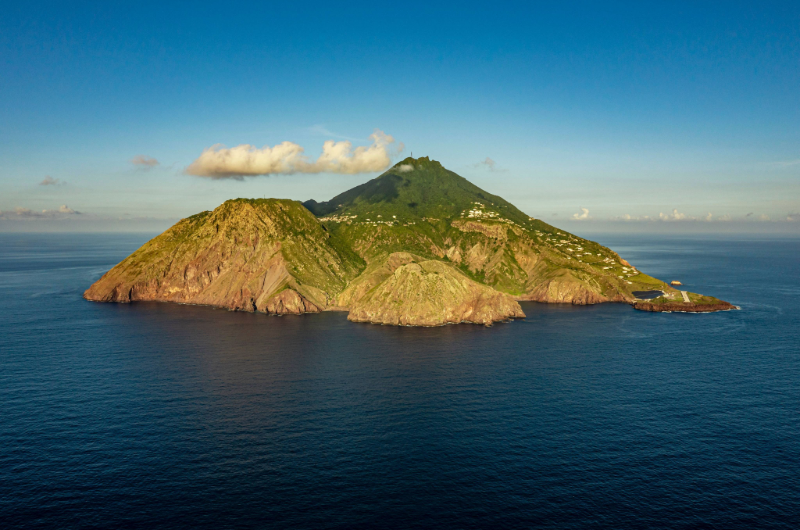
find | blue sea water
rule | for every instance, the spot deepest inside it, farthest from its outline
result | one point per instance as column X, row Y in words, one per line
column 165, row 416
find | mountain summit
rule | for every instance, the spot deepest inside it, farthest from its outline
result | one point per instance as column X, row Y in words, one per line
column 412, row 189
column 418, row 245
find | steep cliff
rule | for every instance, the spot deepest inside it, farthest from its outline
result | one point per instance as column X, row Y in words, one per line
column 429, row 293
column 268, row 255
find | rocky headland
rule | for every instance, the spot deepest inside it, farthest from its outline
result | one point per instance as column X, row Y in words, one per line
column 684, row 307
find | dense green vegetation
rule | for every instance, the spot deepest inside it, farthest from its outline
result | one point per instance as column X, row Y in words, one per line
column 334, row 253
column 419, row 206
column 416, row 189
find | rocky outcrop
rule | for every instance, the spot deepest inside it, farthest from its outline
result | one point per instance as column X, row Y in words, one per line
column 432, row 293
column 288, row 302
column 564, row 289
column 683, row 307
column 270, row 256
column 376, row 272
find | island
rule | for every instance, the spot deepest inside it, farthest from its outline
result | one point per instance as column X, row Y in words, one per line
column 417, row 246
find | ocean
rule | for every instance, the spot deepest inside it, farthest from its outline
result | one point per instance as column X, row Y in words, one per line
column 154, row 415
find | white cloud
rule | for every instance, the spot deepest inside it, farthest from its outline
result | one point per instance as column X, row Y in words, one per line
column 583, row 214
column 144, row 162
column 26, row 213
column 50, row 181
column 709, row 217
column 219, row 162
column 405, row 168
column 21, row 213
column 629, row 217
column 674, row 216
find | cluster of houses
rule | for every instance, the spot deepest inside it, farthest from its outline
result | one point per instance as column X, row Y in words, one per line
column 380, row 221
column 479, row 212
column 349, row 219
column 339, row 218
column 580, row 254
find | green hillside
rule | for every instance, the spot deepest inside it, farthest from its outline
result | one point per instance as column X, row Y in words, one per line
column 238, row 256
column 418, row 245
column 413, row 189
column 419, row 206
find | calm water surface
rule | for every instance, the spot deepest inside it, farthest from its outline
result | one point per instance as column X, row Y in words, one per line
column 164, row 416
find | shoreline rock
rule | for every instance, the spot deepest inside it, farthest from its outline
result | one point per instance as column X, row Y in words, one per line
column 675, row 307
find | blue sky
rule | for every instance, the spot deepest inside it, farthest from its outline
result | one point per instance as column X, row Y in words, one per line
column 668, row 112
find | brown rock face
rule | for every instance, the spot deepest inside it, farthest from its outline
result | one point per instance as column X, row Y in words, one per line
column 564, row 289
column 430, row 293
column 376, row 273
column 271, row 256
column 684, row 307
column 289, row 302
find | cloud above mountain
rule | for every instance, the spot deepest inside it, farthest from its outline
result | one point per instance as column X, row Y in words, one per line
column 219, row 162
